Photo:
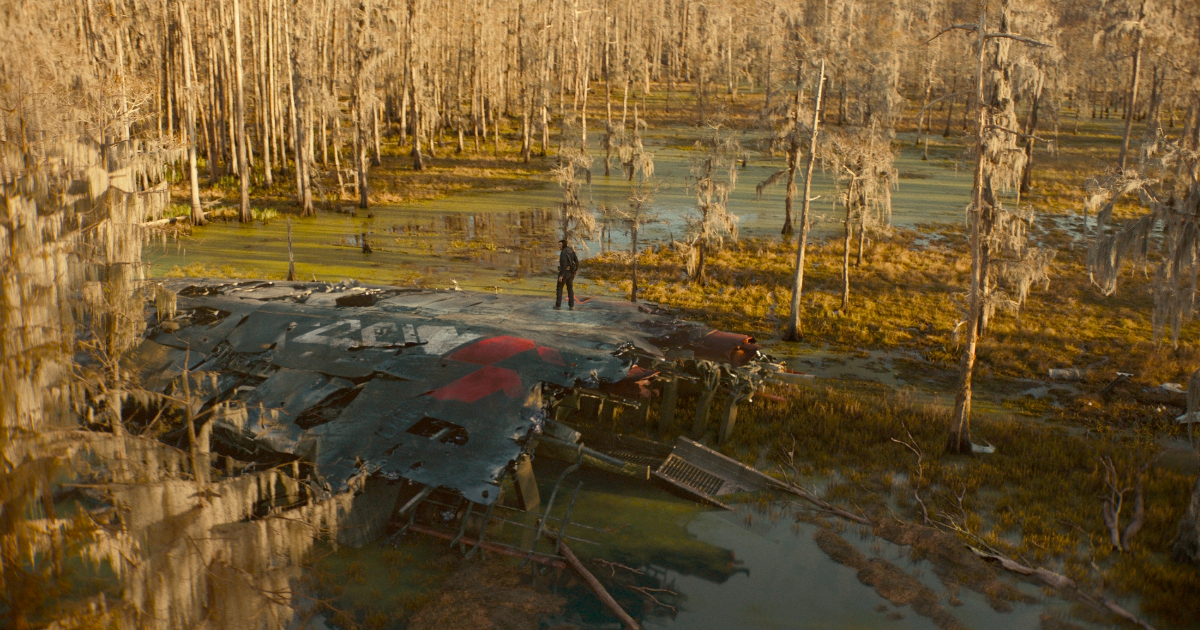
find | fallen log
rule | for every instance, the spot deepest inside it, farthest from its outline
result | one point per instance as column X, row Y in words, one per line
column 595, row 585
column 822, row 505
column 162, row 222
column 1063, row 583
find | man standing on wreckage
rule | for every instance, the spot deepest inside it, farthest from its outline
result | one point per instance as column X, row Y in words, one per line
column 568, row 265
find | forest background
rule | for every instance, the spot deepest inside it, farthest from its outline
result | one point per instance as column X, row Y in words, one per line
column 130, row 120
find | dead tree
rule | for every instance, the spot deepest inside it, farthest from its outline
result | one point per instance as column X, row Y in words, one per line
column 577, row 223
column 637, row 215
column 1130, row 24
column 242, row 156
column 790, row 137
column 998, row 166
column 1118, row 487
column 632, row 153
column 792, row 333
column 636, row 162
column 863, row 161
column 708, row 231
column 1174, row 213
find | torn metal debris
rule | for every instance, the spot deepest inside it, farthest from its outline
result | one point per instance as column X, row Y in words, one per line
column 442, row 388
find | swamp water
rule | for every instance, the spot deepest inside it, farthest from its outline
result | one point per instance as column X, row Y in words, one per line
column 507, row 240
column 757, row 567
column 741, row 569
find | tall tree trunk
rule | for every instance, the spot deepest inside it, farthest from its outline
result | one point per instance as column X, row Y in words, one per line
column 188, row 71
column 258, row 31
column 846, row 251
column 1133, row 93
column 418, row 159
column 960, row 421
column 633, row 249
column 793, row 158
column 950, row 107
column 303, row 188
column 360, row 141
column 243, row 161
column 793, row 327
column 375, row 157
column 862, row 237
column 1030, row 130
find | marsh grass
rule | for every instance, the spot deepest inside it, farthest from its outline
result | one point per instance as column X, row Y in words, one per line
column 201, row 270
column 906, row 298
column 1037, row 498
column 378, row 586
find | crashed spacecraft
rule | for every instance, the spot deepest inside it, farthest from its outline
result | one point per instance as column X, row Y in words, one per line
column 442, row 388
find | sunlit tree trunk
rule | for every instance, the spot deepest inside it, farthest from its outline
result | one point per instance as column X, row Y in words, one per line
column 792, row 332
column 1131, row 106
column 850, row 202
column 960, row 436
column 793, row 158
column 243, row 161
column 188, row 71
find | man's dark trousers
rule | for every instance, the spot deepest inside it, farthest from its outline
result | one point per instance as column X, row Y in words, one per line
column 569, row 280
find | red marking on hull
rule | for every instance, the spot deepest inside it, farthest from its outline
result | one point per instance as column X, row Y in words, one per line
column 481, row 383
column 489, row 351
column 550, row 355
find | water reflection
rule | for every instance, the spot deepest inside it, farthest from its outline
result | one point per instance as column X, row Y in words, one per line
column 756, row 567
column 507, row 240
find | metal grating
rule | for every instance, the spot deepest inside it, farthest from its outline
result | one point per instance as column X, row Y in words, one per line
column 637, row 458
column 689, row 475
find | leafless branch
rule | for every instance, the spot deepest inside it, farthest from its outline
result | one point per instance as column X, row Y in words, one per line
column 962, row 27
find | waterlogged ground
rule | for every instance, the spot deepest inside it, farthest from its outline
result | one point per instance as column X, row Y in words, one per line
column 506, row 240
column 757, row 567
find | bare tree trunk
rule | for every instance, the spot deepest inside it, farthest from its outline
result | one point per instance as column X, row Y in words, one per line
column 633, row 248
column 793, row 327
column 950, row 107
column 545, row 131
column 1133, row 92
column 846, row 254
column 583, row 120
column 960, row 436
column 495, row 130
column 375, row 159
column 1030, row 129
column 291, row 277
column 767, row 80
column 862, row 237
column 188, row 70
column 361, row 147
column 303, row 189
column 258, row 28
column 418, row 160
column 243, row 161
column 793, row 159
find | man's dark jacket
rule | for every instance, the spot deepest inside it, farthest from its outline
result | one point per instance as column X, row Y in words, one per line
column 568, row 262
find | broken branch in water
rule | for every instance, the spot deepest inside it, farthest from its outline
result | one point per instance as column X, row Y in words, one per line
column 1114, row 502
column 594, row 584
column 613, row 566
column 911, row 445
column 1063, row 583
column 645, row 590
